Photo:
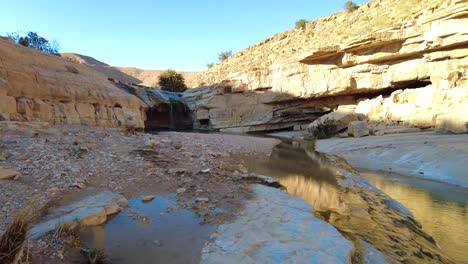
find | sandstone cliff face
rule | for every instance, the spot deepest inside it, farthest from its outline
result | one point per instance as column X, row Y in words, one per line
column 35, row 86
column 382, row 48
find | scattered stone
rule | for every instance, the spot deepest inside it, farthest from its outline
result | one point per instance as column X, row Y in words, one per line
column 177, row 145
column 148, row 198
column 79, row 185
column 8, row 174
column 177, row 170
column 151, row 143
column 157, row 243
column 358, row 129
column 205, row 171
column 53, row 190
column 189, row 154
column 202, row 200
column 181, row 190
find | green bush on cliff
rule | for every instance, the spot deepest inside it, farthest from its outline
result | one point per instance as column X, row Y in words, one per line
column 350, row 6
column 33, row 40
column 224, row 55
column 172, row 81
column 301, row 23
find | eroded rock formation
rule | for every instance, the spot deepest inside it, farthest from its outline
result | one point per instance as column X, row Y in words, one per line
column 413, row 54
column 35, row 86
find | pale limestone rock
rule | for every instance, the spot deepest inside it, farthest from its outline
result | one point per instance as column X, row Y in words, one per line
column 453, row 123
column 39, row 87
column 358, row 129
column 429, row 49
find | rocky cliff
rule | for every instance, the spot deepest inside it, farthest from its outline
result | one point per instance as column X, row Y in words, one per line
column 35, row 86
column 393, row 61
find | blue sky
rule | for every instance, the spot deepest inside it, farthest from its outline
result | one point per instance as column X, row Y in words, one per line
column 181, row 35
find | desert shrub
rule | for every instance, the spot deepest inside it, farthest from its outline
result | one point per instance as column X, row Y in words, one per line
column 33, row 40
column 224, row 55
column 350, row 6
column 325, row 129
column 13, row 241
column 209, row 65
column 301, row 23
column 172, row 81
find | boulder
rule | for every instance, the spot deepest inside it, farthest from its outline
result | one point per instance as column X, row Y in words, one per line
column 358, row 129
column 332, row 123
column 455, row 123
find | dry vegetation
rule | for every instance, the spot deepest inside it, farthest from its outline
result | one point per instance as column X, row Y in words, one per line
column 14, row 240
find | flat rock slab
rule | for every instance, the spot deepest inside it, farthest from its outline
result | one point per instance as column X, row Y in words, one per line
column 92, row 210
column 277, row 228
column 424, row 155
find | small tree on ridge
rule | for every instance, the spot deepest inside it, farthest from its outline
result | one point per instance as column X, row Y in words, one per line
column 224, row 55
column 172, row 81
column 350, row 6
column 301, row 23
column 33, row 40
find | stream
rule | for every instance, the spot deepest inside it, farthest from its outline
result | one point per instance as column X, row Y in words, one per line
column 145, row 233
column 442, row 209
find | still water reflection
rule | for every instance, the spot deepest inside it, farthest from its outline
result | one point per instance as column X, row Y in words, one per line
column 441, row 209
column 148, row 233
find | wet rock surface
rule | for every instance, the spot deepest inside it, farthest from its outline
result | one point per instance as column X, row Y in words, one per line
column 91, row 211
column 424, row 155
column 277, row 228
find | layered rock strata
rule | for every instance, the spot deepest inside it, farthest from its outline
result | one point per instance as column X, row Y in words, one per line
column 412, row 53
column 35, row 86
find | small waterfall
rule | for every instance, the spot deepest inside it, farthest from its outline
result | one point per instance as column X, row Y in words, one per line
column 168, row 110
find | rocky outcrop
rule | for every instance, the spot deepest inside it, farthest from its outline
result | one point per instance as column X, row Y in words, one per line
column 422, row 155
column 345, row 58
column 35, row 86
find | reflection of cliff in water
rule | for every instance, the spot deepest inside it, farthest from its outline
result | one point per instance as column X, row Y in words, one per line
column 442, row 209
column 360, row 214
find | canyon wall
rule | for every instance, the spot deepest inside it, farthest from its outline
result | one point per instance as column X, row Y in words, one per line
column 395, row 61
column 35, row 86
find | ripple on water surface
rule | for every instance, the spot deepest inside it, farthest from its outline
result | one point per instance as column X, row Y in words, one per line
column 151, row 232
